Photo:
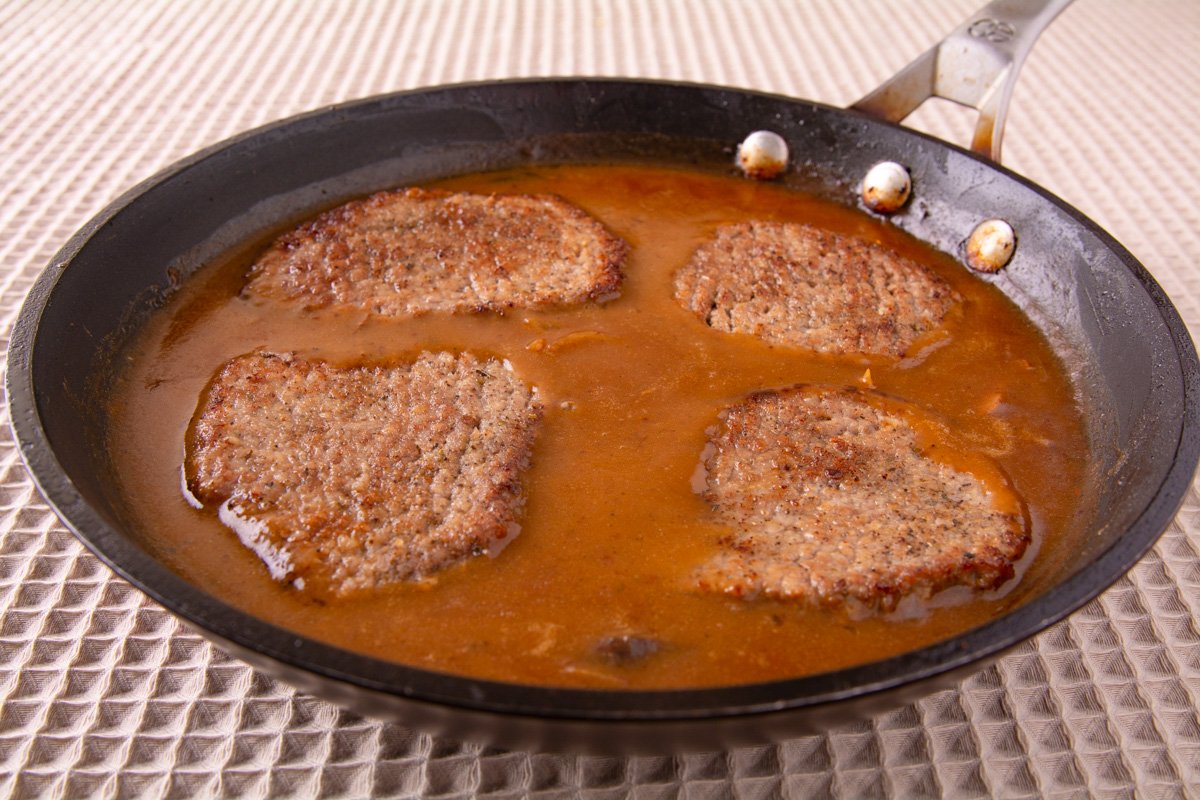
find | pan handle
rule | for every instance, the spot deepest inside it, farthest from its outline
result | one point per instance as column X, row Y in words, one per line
column 976, row 66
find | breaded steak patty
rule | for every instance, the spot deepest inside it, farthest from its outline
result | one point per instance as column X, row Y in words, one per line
column 348, row 478
column 797, row 285
column 832, row 502
column 416, row 251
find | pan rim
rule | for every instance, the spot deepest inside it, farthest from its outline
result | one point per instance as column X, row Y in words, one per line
column 212, row 615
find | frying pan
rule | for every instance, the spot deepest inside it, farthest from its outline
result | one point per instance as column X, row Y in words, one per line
column 1129, row 354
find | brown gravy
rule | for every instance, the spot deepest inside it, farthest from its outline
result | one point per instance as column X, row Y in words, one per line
column 612, row 527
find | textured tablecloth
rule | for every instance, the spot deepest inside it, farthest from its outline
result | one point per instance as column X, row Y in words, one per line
column 103, row 694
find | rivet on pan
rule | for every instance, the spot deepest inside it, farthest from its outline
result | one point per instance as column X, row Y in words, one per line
column 991, row 245
column 763, row 155
column 886, row 187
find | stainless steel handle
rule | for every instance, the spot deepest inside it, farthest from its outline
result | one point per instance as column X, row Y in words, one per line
column 976, row 66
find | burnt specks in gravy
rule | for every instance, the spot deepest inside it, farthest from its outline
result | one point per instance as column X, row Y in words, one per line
column 797, row 285
column 349, row 478
column 832, row 502
column 417, row 251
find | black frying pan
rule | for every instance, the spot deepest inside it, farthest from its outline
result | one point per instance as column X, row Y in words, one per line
column 1131, row 357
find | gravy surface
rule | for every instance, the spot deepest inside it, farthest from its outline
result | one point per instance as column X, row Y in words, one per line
column 613, row 528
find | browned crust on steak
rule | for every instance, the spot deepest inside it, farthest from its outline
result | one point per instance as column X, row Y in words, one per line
column 798, row 285
column 349, row 478
column 415, row 251
column 833, row 503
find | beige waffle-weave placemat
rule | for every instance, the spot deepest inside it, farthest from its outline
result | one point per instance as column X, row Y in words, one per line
column 102, row 693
